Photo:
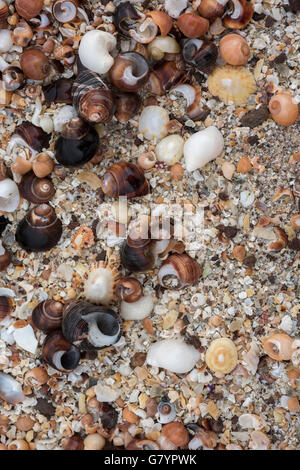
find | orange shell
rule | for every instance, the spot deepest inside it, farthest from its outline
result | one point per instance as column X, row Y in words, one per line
column 192, row 26
column 221, row 355
column 162, row 20
column 284, row 109
column 83, row 238
column 234, row 49
column 278, row 346
column 231, row 83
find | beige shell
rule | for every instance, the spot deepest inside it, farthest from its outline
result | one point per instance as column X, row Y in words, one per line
column 231, row 83
column 100, row 283
column 221, row 355
column 278, row 346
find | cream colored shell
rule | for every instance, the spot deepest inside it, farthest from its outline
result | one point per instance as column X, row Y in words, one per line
column 221, row 355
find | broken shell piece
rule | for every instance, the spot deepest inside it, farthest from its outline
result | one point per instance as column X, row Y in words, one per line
column 175, row 7
column 295, row 222
column 138, row 310
column 278, row 346
column 10, row 389
column 249, row 421
column 231, row 84
column 202, row 147
column 281, row 242
column 100, row 284
column 259, row 441
column 251, row 358
column 9, row 195
column 173, row 355
column 170, row 149
column 192, row 95
column 153, row 122
column 179, row 270
column 83, row 238
column 221, row 355
column 25, row 339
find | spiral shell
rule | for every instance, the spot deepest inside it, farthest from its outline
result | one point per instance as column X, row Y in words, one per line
column 130, row 71
column 125, row 179
column 127, row 106
column 278, row 346
column 36, row 190
column 47, row 315
column 65, row 11
column 240, row 15
column 284, row 109
column 164, row 77
column 179, row 270
column 92, row 98
column 201, row 54
column 59, row 353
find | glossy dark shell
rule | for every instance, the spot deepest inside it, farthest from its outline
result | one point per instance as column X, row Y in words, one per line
column 202, row 54
column 39, row 230
column 59, row 91
column 55, row 344
column 125, row 17
column 33, row 135
column 125, row 179
column 139, row 258
column 77, row 145
column 47, row 316
column 92, row 98
column 6, row 306
column 164, row 77
column 81, row 318
column 127, row 106
column 36, row 190
column 129, row 289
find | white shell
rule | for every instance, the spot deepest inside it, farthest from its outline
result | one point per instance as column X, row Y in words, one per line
column 9, row 195
column 99, row 285
column 62, row 116
column 10, row 389
column 25, row 339
column 94, row 51
column 153, row 122
column 107, row 394
column 170, row 149
column 173, row 355
column 202, row 147
column 6, row 41
column 175, row 7
column 138, row 310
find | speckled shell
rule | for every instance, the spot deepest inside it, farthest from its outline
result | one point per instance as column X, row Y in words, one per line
column 92, row 98
column 125, row 179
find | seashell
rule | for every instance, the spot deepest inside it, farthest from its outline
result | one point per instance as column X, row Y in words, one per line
column 259, row 441
column 202, row 147
column 6, row 306
column 284, row 109
column 137, row 255
column 207, row 439
column 128, row 289
column 144, row 32
column 59, row 353
column 162, row 20
column 9, row 195
column 95, row 51
column 36, row 377
column 212, row 9
column 201, row 54
column 94, row 442
column 175, row 7
column 142, row 444
column 173, row 355
column 127, row 106
column 170, row 149
column 22, row 34
column 10, row 389
column 281, row 240
column 92, row 98
column 59, row 91
column 248, row 421
column 6, row 41
column 35, row 64
column 65, row 11
column 13, row 78
column 125, row 179
column 179, row 270
column 278, row 346
column 89, row 326
column 221, row 355
column 147, row 160
column 295, row 222
column 164, row 77
column 42, row 165
column 192, row 94
column 166, row 412
column 74, row 442
column 5, row 260
column 234, row 49
column 137, row 310
column 47, row 315
column 230, row 83
column 192, row 26
column 62, row 116
column 32, row 136
column 3, row 11
column 83, row 238
column 162, row 45
column 25, row 339
column 39, row 230
column 36, row 190
column 100, row 283
column 176, row 433
column 77, row 144
column 125, row 17
column 240, row 15
column 29, row 9
column 130, row 71
column 153, row 122
column 66, row 54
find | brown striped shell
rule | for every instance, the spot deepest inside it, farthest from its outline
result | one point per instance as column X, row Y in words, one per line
column 179, row 270
column 36, row 190
column 47, row 315
column 125, row 179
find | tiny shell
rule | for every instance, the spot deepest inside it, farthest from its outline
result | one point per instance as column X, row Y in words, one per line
column 221, row 355
column 138, row 310
column 202, row 147
column 231, row 83
column 153, row 122
column 170, row 149
column 173, row 355
column 9, row 195
column 278, row 346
